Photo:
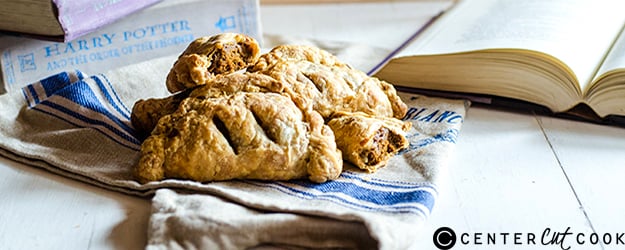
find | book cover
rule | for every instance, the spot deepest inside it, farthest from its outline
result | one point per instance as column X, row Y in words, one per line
column 163, row 29
column 78, row 18
column 63, row 20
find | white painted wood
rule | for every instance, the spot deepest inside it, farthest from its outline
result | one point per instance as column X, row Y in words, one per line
column 378, row 24
column 593, row 157
column 41, row 210
column 511, row 172
column 504, row 178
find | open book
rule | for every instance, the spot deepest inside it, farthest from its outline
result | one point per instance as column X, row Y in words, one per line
column 557, row 54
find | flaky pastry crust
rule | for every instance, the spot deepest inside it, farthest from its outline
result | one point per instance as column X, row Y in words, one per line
column 206, row 57
column 294, row 112
column 368, row 142
column 242, row 136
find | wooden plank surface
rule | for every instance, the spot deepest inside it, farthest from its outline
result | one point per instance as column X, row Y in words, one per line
column 593, row 158
column 41, row 210
column 512, row 172
column 505, row 178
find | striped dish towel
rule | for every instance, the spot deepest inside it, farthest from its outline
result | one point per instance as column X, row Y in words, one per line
column 78, row 126
column 84, row 102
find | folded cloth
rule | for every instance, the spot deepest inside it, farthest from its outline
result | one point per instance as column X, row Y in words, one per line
column 78, row 126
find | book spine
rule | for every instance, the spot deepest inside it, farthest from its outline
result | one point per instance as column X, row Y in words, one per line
column 79, row 17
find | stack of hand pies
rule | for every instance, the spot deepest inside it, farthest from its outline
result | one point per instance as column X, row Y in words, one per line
column 292, row 113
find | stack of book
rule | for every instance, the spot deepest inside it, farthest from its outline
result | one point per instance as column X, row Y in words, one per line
column 107, row 34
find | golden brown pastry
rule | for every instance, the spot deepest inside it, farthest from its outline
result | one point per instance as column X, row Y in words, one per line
column 368, row 142
column 206, row 57
column 267, row 122
column 146, row 113
column 237, row 82
column 296, row 53
column 241, row 136
column 314, row 78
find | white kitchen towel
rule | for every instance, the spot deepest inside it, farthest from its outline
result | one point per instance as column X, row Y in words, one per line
column 78, row 126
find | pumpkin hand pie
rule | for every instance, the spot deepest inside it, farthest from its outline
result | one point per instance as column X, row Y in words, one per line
column 294, row 112
column 242, row 136
column 206, row 57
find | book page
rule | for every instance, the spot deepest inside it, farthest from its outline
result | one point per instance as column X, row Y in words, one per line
column 328, row 22
column 616, row 58
column 578, row 32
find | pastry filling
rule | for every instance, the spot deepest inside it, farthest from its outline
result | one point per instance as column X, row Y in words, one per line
column 379, row 147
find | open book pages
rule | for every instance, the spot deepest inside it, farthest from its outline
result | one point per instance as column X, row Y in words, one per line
column 556, row 53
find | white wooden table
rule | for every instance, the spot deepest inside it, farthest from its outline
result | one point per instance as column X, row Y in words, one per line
column 512, row 173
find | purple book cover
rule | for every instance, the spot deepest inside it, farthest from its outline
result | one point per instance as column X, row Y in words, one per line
column 79, row 17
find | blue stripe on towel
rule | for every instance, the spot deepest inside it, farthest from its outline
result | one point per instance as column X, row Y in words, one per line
column 55, row 82
column 112, row 97
column 375, row 195
column 85, row 102
column 33, row 95
column 82, row 94
column 383, row 183
column 369, row 195
column 49, row 86
column 122, row 139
